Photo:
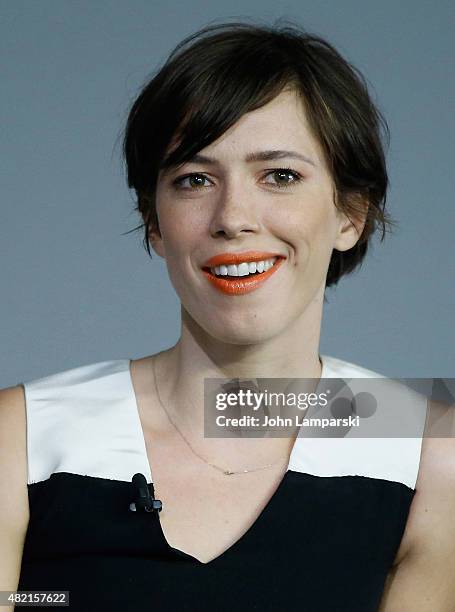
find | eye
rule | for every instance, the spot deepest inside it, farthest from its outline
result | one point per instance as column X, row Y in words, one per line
column 195, row 181
column 284, row 177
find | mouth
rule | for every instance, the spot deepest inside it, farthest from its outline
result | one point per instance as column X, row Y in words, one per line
column 244, row 277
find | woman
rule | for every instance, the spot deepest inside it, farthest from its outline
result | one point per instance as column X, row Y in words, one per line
column 256, row 157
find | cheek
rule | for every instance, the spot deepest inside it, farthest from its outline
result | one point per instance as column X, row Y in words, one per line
column 182, row 237
column 307, row 226
column 181, row 230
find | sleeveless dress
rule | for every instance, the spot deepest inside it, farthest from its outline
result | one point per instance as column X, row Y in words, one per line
column 324, row 542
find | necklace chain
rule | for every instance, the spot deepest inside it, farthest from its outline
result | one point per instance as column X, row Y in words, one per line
column 217, row 467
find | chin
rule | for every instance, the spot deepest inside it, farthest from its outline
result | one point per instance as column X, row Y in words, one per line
column 242, row 327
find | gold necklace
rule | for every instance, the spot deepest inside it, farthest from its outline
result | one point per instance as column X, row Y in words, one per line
column 220, row 469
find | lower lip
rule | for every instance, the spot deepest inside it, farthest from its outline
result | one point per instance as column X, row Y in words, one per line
column 242, row 284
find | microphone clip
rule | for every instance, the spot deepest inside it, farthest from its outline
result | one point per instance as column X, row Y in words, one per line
column 144, row 500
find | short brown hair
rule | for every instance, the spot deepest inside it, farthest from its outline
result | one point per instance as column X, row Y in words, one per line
column 223, row 71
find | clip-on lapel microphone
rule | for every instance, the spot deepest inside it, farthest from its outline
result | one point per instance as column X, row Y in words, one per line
column 144, row 500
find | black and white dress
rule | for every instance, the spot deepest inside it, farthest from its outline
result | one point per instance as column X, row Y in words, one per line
column 324, row 542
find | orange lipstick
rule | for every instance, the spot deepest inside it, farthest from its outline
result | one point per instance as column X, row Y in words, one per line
column 239, row 285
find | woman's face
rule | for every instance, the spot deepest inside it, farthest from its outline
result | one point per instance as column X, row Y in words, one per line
column 238, row 198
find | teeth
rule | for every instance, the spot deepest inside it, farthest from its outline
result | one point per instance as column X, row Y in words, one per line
column 244, row 268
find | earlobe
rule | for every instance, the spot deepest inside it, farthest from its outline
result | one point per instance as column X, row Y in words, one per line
column 351, row 227
column 157, row 244
column 156, row 241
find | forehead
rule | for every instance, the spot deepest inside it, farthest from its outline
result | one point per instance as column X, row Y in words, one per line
column 279, row 124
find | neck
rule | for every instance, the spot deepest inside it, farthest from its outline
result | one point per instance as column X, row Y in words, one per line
column 294, row 353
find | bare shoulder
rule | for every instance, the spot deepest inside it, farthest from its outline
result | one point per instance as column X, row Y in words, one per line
column 13, row 455
column 14, row 507
column 422, row 577
column 434, row 500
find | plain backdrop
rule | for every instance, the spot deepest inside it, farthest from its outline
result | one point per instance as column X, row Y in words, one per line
column 74, row 290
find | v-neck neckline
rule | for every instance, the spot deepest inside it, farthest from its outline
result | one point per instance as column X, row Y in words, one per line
column 241, row 540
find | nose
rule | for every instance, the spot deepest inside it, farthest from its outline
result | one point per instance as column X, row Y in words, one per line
column 234, row 213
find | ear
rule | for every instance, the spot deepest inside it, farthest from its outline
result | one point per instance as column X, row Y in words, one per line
column 155, row 238
column 350, row 227
column 157, row 245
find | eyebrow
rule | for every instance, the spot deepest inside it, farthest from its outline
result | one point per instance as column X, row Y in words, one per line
column 256, row 156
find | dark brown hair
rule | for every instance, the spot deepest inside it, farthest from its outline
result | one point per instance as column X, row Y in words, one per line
column 222, row 71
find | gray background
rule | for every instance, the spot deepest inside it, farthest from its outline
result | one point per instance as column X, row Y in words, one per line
column 75, row 291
